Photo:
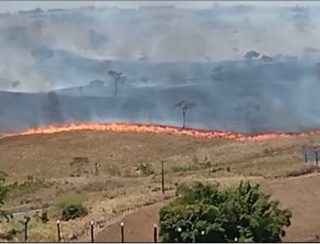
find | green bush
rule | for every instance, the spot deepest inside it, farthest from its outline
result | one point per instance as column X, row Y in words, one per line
column 207, row 214
column 73, row 211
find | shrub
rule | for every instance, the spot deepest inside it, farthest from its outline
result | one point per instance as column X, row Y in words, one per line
column 70, row 205
column 145, row 169
column 207, row 214
column 73, row 211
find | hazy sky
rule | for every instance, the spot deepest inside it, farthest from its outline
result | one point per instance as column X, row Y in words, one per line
column 11, row 6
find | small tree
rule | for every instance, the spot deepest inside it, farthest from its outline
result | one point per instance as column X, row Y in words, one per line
column 184, row 105
column 117, row 77
column 206, row 214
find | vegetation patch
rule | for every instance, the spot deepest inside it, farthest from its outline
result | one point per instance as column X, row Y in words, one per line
column 29, row 185
column 69, row 206
column 145, row 169
column 191, row 167
column 204, row 213
column 73, row 211
column 70, row 198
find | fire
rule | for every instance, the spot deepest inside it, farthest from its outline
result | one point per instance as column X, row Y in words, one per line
column 151, row 128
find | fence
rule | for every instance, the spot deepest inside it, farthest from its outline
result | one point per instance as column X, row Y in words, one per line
column 311, row 154
column 121, row 232
column 92, row 235
column 26, row 220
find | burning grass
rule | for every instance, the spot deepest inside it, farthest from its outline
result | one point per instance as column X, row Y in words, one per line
column 152, row 128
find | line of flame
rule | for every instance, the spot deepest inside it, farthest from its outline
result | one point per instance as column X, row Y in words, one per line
column 152, row 128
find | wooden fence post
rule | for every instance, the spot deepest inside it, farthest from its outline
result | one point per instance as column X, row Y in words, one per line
column 58, row 229
column 155, row 233
column 122, row 231
column 162, row 176
column 92, row 231
column 26, row 221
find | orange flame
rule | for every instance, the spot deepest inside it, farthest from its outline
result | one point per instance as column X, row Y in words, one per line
column 151, row 128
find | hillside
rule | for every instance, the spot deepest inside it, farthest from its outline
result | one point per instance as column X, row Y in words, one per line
column 118, row 186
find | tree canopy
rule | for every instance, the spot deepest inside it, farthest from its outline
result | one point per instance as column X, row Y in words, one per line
column 204, row 213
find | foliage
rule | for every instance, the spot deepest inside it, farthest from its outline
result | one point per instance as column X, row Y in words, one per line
column 73, row 211
column 207, row 214
column 145, row 169
column 27, row 185
column 192, row 167
column 3, row 193
column 70, row 198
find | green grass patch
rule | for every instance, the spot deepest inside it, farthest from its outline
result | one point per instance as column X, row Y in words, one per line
column 69, row 198
column 29, row 185
column 191, row 167
column 65, row 204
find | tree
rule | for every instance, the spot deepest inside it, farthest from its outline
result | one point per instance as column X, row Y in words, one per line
column 117, row 77
column 203, row 213
column 184, row 105
column 251, row 55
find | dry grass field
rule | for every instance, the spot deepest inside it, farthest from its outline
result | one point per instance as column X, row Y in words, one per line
column 63, row 169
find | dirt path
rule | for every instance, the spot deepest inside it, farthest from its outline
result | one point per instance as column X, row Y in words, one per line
column 138, row 227
column 301, row 195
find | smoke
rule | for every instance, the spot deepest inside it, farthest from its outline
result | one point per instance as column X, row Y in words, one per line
column 186, row 54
